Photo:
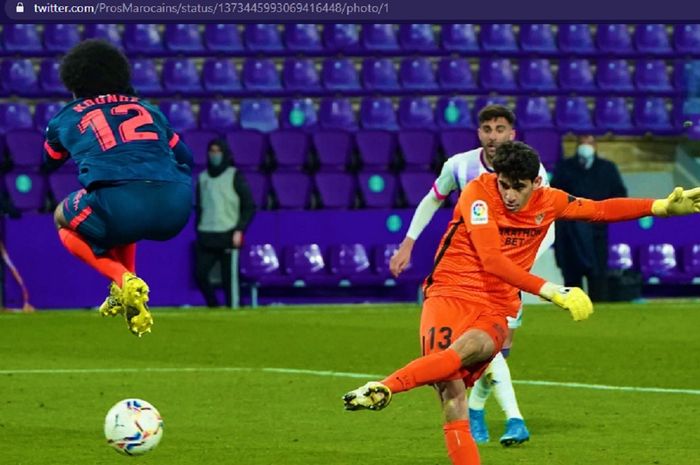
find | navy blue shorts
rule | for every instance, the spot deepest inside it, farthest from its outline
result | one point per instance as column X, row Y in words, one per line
column 121, row 214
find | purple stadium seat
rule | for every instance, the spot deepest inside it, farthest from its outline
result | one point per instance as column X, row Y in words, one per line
column 259, row 187
column 533, row 113
column 61, row 184
column 298, row 114
column 613, row 38
column 613, row 75
column 142, row 39
column 417, row 74
column 379, row 74
column 144, row 77
column 259, row 260
column 686, row 75
column 415, row 186
column 18, row 76
column 179, row 113
column 43, row 112
column 576, row 75
column 378, row 113
column 496, row 74
column 417, row 37
column 108, row 32
column 261, row 74
column 339, row 74
column 485, row 100
column 652, row 76
column 349, row 262
column 304, row 263
column 573, row 114
column 537, row 38
column 377, row 148
column 248, row 148
column 612, row 114
column 337, row 113
column 219, row 75
column 263, row 38
column 302, row 38
column 454, row 141
column 651, row 114
column 418, row 147
column 14, row 116
column 535, row 74
column 259, row 115
column 379, row 38
column 292, row 190
column 22, row 39
column 337, row 190
column 459, row 38
column 652, row 39
column 183, row 38
column 456, row 74
column 222, row 38
column 341, row 38
column 333, row 148
column 60, row 37
column 659, row 263
column 575, row 38
column 453, row 112
column 691, row 261
column 620, row 257
column 300, row 74
column 217, row 115
column 686, row 38
column 50, row 80
column 547, row 142
column 416, row 113
column 378, row 189
column 291, row 148
column 28, row 191
column 198, row 141
column 25, row 147
column 498, row 38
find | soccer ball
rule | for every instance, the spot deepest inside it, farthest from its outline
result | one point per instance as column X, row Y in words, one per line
column 133, row 427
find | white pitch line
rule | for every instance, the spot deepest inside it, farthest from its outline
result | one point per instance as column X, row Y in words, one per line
column 326, row 373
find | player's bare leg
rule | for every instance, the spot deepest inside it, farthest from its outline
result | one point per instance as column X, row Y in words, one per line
column 461, row 447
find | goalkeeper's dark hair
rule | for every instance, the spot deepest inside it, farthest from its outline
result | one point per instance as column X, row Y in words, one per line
column 516, row 161
column 95, row 67
column 491, row 112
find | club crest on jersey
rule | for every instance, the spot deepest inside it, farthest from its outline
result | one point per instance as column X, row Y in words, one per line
column 539, row 218
column 480, row 212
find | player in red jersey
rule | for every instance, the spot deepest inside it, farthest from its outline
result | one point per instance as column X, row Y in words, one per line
column 482, row 263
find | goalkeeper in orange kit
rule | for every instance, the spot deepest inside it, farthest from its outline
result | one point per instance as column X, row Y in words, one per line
column 482, row 263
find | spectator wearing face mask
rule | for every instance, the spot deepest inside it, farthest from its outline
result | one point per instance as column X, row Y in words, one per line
column 581, row 248
column 224, row 207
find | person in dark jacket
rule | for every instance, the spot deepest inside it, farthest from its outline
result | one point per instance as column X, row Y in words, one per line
column 581, row 248
column 224, row 208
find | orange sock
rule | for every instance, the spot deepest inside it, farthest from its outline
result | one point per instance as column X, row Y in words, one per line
column 425, row 370
column 126, row 255
column 77, row 246
column 460, row 445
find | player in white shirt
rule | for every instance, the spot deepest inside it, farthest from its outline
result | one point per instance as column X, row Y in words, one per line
column 495, row 127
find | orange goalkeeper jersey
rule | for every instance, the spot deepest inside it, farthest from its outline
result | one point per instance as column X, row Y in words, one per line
column 487, row 251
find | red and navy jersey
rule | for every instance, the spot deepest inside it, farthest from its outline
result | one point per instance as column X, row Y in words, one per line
column 116, row 138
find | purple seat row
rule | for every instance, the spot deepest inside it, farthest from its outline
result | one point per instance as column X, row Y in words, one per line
column 659, row 263
column 151, row 39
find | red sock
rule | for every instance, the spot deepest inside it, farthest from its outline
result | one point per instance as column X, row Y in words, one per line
column 425, row 370
column 460, row 445
column 77, row 246
column 126, row 255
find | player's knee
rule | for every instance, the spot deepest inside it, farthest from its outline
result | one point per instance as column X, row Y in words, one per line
column 474, row 347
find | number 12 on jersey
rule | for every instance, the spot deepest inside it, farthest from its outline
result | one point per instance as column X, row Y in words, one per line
column 97, row 121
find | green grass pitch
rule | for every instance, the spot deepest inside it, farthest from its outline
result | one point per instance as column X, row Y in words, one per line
column 262, row 387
